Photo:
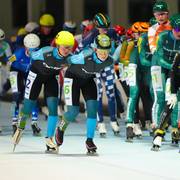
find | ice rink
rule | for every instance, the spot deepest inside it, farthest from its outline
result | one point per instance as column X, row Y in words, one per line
column 116, row 160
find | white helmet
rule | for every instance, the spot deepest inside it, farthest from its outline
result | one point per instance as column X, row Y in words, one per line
column 31, row 26
column 2, row 34
column 31, row 41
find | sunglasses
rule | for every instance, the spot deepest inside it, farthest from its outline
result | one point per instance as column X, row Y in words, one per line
column 160, row 14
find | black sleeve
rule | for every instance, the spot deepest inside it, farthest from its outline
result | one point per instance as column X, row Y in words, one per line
column 173, row 75
column 41, row 68
column 92, row 67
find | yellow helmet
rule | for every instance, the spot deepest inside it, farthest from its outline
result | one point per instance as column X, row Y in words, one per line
column 64, row 38
column 47, row 20
column 21, row 31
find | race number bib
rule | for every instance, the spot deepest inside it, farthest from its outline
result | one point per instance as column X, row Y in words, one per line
column 29, row 82
column 13, row 81
column 156, row 78
column 132, row 74
column 168, row 89
column 68, row 91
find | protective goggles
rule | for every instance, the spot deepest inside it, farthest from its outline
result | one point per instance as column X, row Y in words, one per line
column 177, row 29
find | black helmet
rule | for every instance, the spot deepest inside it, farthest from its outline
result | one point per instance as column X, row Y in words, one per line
column 101, row 20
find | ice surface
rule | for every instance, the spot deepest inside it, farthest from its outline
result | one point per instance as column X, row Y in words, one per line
column 117, row 160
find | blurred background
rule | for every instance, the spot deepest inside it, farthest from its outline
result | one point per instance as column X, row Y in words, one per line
column 16, row 13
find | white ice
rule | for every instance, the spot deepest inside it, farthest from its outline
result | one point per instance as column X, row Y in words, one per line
column 117, row 159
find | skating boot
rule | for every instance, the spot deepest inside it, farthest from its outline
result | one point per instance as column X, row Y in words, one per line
column 175, row 136
column 115, row 127
column 59, row 135
column 137, row 131
column 157, row 141
column 91, row 147
column 0, row 129
column 129, row 132
column 102, row 129
column 36, row 130
column 14, row 126
column 52, row 148
column 16, row 137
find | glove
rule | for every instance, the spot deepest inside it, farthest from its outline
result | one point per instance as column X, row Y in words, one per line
column 172, row 100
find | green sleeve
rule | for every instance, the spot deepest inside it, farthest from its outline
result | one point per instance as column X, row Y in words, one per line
column 162, row 60
column 142, row 52
column 134, row 56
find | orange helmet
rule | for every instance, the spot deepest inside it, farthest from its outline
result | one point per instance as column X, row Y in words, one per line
column 135, row 27
column 143, row 27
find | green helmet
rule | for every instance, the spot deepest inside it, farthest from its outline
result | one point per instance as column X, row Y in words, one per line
column 160, row 6
column 152, row 21
column 175, row 21
column 103, row 41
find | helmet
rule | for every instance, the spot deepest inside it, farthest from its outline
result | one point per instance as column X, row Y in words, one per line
column 31, row 41
column 120, row 30
column 64, row 38
column 85, row 23
column 160, row 6
column 129, row 33
column 70, row 26
column 152, row 21
column 102, row 21
column 47, row 20
column 31, row 26
column 88, row 28
column 175, row 21
column 135, row 27
column 143, row 26
column 103, row 41
column 2, row 34
column 21, row 31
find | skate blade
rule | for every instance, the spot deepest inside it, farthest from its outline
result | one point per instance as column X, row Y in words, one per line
column 52, row 152
column 129, row 140
column 92, row 154
column 155, row 149
column 37, row 134
column 116, row 133
column 103, row 135
column 174, row 144
column 14, row 147
column 138, row 136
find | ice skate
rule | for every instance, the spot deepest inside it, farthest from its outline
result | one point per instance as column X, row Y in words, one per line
column 157, row 141
column 36, row 130
column 115, row 127
column 137, row 131
column 91, row 147
column 129, row 133
column 102, row 129
column 16, row 137
column 0, row 129
column 14, row 126
column 59, row 136
column 175, row 136
column 52, row 148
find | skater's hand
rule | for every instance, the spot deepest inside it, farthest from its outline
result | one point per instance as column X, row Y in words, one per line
column 172, row 100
